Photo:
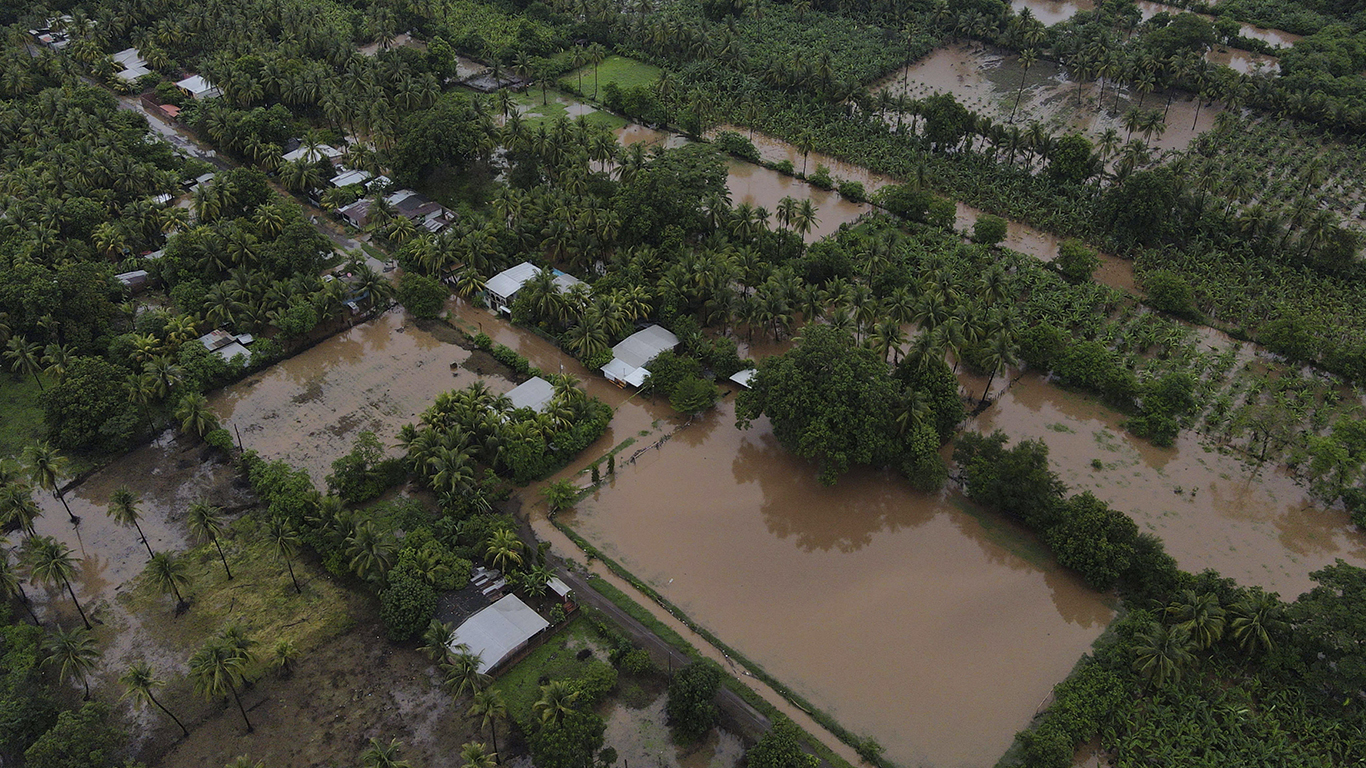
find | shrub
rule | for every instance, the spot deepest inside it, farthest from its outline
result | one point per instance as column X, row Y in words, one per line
column 736, row 144
column 852, row 191
column 82, row 738
column 482, row 341
column 820, row 178
column 1170, row 292
column 1041, row 345
column 220, row 440
column 598, row 680
column 1076, row 262
column 637, row 662
column 988, row 229
column 781, row 747
column 423, row 296
column 571, row 743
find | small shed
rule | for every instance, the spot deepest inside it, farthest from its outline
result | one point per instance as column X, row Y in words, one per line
column 631, row 355
column 134, row 281
column 499, row 631
column 533, row 393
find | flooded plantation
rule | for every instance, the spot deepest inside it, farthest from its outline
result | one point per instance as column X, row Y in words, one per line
column 988, row 82
column 1051, row 12
column 916, row 619
column 1209, row 508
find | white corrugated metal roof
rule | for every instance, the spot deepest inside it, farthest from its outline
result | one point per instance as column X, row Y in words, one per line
column 347, row 178
column 497, row 631
column 313, row 154
column 533, row 393
column 558, row 587
column 641, row 347
column 509, row 281
column 742, row 377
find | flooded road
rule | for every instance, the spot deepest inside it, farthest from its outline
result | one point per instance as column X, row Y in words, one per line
column 918, row 620
column 1208, row 508
column 988, row 82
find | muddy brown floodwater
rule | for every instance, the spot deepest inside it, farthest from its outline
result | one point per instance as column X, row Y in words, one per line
column 1051, row 12
column 1208, row 508
column 987, row 81
column 912, row 618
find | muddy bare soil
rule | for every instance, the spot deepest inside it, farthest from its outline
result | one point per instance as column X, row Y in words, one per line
column 350, row 689
column 917, row 619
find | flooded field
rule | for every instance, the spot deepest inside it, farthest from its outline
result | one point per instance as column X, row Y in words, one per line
column 987, row 81
column 1113, row 271
column 1208, row 508
column 1051, row 12
column 937, row 629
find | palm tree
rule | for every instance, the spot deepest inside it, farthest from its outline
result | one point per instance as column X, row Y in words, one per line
column 488, row 705
column 46, row 468
column 141, row 682
column 12, row 587
column 596, row 55
column 462, row 673
column 286, row 541
column 194, row 414
column 504, row 547
column 557, row 700
column 18, row 507
column 169, row 573
column 283, row 657
column 477, row 756
column 49, row 562
column 24, row 358
column 74, row 653
column 206, row 522
column 1200, row 615
column 381, row 755
column 123, row 508
column 217, row 669
column 1000, row 354
column 1027, row 59
column 371, row 551
column 1257, row 616
column 805, row 217
column 436, row 641
column 1163, row 653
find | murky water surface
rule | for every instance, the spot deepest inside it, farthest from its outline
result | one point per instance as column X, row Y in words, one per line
column 1051, row 12
column 1209, row 509
column 988, row 82
column 915, row 619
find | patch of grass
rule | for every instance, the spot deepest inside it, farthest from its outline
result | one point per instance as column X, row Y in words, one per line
column 260, row 598
column 556, row 659
column 536, row 113
column 641, row 614
column 21, row 415
column 626, row 73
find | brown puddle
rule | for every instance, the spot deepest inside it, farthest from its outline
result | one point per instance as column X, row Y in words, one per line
column 987, row 81
column 936, row 629
column 1208, row 508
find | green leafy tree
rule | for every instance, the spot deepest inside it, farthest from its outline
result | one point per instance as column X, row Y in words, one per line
column 1330, row 631
column 781, row 747
column 693, row 395
column 81, row 738
column 91, row 406
column 1093, row 539
column 1076, row 262
column 423, row 296
column 692, row 699
column 570, row 742
column 989, row 229
column 1017, row 481
column 141, row 683
column 408, row 603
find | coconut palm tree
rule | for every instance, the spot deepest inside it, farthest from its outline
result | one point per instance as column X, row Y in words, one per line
column 504, row 547
column 1163, row 652
column 46, row 467
column 436, row 641
column 283, row 656
column 50, row 562
column 17, row 507
column 381, row 755
column 217, row 669
column 206, row 523
column 1257, row 617
column 488, row 705
column 11, row 586
column 123, row 508
column 194, row 414
column 805, row 219
column 477, row 756
column 142, row 683
column 286, row 541
column 74, row 653
column 169, row 573
column 1000, row 355
column 1200, row 615
column 371, row 551
column 557, row 700
column 24, row 357
column 462, row 673
column 1028, row 58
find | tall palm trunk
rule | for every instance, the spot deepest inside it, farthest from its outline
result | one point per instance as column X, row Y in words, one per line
column 987, row 391
column 222, row 557
column 168, row 712
column 79, row 609
column 144, row 539
column 241, row 708
column 28, row 606
column 290, row 565
column 1018, row 93
column 62, row 498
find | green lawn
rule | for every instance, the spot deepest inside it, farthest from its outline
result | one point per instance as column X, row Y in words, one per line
column 626, row 73
column 21, row 416
column 557, row 659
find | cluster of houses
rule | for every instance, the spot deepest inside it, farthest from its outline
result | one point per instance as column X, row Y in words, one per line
column 131, row 65
column 53, row 33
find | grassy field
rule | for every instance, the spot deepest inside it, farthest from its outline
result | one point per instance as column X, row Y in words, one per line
column 536, row 112
column 626, row 73
column 260, row 598
column 21, row 417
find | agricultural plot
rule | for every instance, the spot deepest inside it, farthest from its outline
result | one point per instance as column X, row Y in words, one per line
column 623, row 72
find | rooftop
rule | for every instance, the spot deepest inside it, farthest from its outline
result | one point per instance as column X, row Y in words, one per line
column 533, row 394
column 499, row 630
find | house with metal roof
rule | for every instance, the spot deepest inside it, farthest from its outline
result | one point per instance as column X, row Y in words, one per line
column 499, row 631
column 534, row 393
column 630, row 357
column 196, row 87
column 503, row 287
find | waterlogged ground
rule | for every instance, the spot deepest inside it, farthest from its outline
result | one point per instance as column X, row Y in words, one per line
column 1210, row 509
column 916, row 619
column 987, row 81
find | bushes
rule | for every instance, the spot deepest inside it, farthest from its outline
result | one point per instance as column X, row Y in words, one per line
column 423, row 296
column 989, row 230
column 1081, row 705
column 1076, row 262
column 1170, row 292
column 1092, row 366
column 364, row 473
column 820, row 178
column 1093, row 540
column 735, row 144
column 852, row 191
column 407, row 605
